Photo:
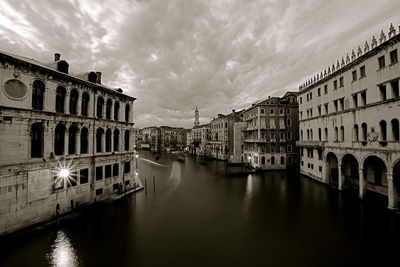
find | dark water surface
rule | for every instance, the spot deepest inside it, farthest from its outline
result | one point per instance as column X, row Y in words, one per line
column 205, row 213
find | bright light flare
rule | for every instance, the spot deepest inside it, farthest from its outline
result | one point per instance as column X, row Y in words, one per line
column 136, row 156
column 64, row 175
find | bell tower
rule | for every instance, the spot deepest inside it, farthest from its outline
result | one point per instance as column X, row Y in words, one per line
column 196, row 117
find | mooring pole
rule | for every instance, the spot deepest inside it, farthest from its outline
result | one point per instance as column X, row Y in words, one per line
column 154, row 183
column 145, row 185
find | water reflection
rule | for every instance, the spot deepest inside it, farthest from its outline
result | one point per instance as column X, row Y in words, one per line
column 249, row 187
column 174, row 179
column 62, row 252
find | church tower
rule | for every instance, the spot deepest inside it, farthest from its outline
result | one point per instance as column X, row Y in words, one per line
column 196, row 117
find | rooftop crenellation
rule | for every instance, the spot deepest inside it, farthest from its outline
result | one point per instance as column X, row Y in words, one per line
column 354, row 55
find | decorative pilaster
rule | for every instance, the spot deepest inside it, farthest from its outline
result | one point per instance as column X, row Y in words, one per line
column 392, row 193
column 340, row 176
column 362, row 183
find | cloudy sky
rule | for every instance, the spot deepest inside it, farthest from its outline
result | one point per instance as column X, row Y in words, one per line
column 174, row 55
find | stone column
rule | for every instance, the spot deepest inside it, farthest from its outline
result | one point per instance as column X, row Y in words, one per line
column 78, row 104
column 66, row 139
column 340, row 177
column 66, row 103
column 112, row 110
column 78, row 142
column 361, row 183
column 103, row 142
column 392, row 193
column 112, row 142
column 325, row 173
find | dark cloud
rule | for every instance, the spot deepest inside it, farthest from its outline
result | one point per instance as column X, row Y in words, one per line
column 176, row 54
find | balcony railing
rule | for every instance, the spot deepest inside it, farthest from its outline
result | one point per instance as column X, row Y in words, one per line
column 310, row 143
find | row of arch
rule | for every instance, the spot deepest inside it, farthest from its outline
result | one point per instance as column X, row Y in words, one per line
column 375, row 173
column 360, row 133
column 38, row 90
column 106, row 140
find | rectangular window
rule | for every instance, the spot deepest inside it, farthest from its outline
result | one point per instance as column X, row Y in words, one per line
column 393, row 57
column 310, row 95
column 326, row 108
column 272, row 111
column 289, row 148
column 395, row 88
column 300, row 100
column 115, row 169
column 127, row 167
column 288, row 111
column 262, row 111
column 381, row 62
column 281, row 111
column 341, row 82
column 341, row 101
column 289, row 135
column 354, row 75
column 289, row 122
column 362, row 72
column 99, row 191
column 335, row 105
column 325, row 89
column 335, row 84
column 364, row 98
column 99, row 173
column 319, row 110
column 84, row 176
column 108, row 171
column 319, row 91
column 382, row 92
column 355, row 100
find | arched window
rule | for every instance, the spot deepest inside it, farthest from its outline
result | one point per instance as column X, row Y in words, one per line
column 99, row 137
column 308, row 135
column 108, row 109
column 301, row 135
column 383, row 130
column 59, row 136
column 73, row 130
column 336, row 134
column 126, row 140
column 127, row 111
column 319, row 134
column 38, row 88
column 395, row 130
column 326, row 134
column 85, row 104
column 262, row 160
column 116, row 110
column 355, row 137
column 116, row 140
column 341, row 133
column 100, row 104
column 282, row 160
column 364, row 129
column 272, row 160
column 60, row 99
column 108, row 140
column 37, row 140
column 311, row 135
column 73, row 102
column 84, row 140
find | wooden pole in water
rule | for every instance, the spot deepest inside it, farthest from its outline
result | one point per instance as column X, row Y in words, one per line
column 154, row 183
column 145, row 185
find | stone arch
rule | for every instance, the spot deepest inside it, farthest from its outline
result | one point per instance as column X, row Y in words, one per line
column 375, row 173
column 396, row 183
column 332, row 163
column 350, row 172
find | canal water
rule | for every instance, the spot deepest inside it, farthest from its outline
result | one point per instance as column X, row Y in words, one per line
column 206, row 213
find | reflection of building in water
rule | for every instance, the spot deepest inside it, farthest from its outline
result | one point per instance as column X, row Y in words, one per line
column 48, row 115
column 349, row 120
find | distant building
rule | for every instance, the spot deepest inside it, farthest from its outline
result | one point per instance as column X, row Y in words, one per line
column 349, row 121
column 271, row 133
column 237, row 156
column 201, row 136
column 172, row 138
column 151, row 138
column 221, row 144
column 50, row 118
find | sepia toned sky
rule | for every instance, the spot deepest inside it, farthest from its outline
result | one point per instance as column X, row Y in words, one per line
column 175, row 54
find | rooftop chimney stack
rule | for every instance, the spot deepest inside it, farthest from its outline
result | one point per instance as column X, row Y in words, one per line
column 98, row 78
column 57, row 56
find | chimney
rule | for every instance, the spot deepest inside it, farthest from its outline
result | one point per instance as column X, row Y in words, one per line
column 233, row 110
column 119, row 90
column 98, row 79
column 57, row 56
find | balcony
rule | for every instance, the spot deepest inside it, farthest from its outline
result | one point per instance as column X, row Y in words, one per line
column 282, row 140
column 314, row 144
column 273, row 140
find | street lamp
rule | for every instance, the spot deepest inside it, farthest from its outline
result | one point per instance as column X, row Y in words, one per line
column 136, row 156
column 249, row 161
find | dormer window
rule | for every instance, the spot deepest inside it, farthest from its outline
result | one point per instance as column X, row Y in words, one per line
column 63, row 66
column 92, row 77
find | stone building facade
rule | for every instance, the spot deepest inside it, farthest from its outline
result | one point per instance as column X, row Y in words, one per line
column 201, row 135
column 349, row 120
column 271, row 133
column 51, row 120
column 221, row 143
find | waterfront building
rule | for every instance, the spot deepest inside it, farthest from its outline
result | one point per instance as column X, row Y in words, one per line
column 349, row 120
column 221, row 143
column 65, row 140
column 271, row 133
column 172, row 138
column 151, row 138
column 237, row 156
column 201, row 136
column 137, row 138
